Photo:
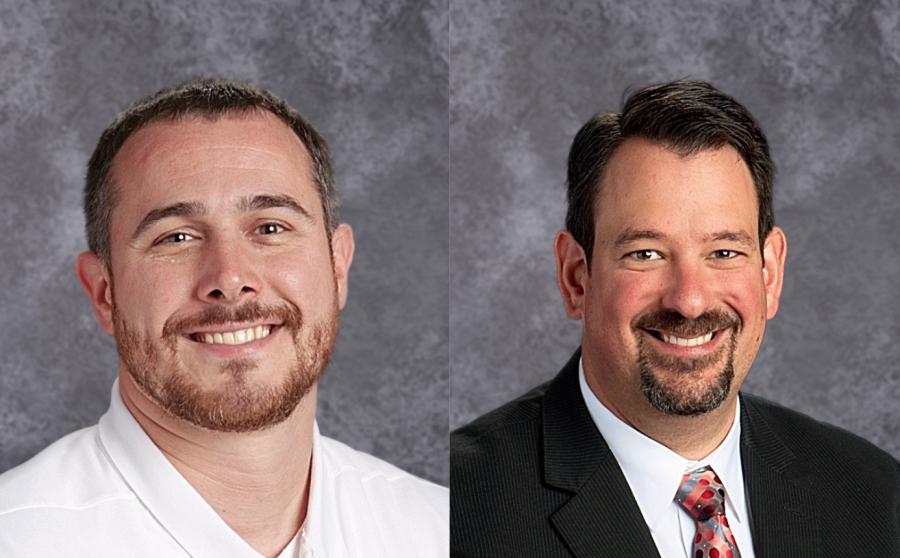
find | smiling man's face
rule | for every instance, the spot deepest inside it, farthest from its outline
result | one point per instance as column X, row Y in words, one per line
column 677, row 299
column 223, row 291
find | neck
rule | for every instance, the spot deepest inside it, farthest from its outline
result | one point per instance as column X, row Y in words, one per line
column 258, row 482
column 693, row 438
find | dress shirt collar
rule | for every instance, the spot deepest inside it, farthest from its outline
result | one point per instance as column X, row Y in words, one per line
column 653, row 471
column 178, row 507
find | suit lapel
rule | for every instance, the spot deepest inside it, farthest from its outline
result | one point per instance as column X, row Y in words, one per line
column 783, row 512
column 602, row 518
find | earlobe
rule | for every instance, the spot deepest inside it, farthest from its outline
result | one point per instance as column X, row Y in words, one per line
column 342, row 248
column 95, row 280
column 571, row 272
column 775, row 253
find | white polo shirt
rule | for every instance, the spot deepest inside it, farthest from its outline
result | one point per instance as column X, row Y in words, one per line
column 654, row 473
column 107, row 491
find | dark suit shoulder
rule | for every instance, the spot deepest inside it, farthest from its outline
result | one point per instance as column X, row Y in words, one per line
column 490, row 426
column 829, row 479
column 821, row 445
column 500, row 504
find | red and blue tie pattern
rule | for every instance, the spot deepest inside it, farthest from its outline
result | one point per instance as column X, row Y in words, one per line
column 703, row 496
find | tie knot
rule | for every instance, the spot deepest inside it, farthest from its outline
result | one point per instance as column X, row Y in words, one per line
column 701, row 494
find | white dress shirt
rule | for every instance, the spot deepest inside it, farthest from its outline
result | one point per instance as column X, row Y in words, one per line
column 654, row 473
column 108, row 491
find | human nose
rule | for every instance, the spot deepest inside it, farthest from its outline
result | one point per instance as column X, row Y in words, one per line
column 230, row 273
column 689, row 291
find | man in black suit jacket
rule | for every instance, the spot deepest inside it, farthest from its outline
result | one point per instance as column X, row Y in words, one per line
column 671, row 259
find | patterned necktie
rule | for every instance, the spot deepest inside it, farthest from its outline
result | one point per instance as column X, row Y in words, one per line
column 703, row 496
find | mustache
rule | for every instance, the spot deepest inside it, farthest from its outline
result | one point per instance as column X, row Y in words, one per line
column 673, row 322
column 286, row 314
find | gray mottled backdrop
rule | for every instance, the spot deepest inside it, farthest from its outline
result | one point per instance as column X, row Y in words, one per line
column 823, row 77
column 371, row 75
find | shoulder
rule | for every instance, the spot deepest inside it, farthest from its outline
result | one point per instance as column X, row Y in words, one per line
column 511, row 428
column 73, row 472
column 62, row 493
column 502, row 501
column 401, row 504
column 346, row 464
column 824, row 447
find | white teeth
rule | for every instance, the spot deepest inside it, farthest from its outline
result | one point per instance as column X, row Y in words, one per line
column 682, row 342
column 238, row 337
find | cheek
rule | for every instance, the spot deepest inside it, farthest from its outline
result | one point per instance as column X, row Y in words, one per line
column 306, row 280
column 150, row 293
column 627, row 295
column 613, row 305
column 745, row 292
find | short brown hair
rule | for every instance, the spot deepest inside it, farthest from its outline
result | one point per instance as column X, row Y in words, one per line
column 684, row 116
column 211, row 98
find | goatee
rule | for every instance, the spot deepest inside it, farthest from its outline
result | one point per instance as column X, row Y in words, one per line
column 681, row 396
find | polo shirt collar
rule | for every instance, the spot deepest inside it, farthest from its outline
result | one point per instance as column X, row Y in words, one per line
column 177, row 506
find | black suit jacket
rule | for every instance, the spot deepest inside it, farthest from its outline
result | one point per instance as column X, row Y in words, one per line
column 536, row 478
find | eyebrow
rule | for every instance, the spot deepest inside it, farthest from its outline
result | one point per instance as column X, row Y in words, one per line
column 196, row 209
column 634, row 235
column 270, row 201
column 733, row 236
column 182, row 209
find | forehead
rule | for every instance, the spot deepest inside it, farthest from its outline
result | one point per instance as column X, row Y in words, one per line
column 651, row 187
column 195, row 158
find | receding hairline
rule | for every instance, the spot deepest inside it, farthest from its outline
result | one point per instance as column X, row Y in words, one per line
column 682, row 154
column 247, row 114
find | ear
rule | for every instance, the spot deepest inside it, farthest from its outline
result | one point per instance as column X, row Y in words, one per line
column 774, row 252
column 94, row 278
column 342, row 248
column 571, row 272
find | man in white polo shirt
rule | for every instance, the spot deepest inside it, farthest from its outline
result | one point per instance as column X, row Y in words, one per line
column 218, row 262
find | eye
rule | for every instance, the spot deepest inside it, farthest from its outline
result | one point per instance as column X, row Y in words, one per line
column 176, row 238
column 644, row 255
column 270, row 228
column 725, row 254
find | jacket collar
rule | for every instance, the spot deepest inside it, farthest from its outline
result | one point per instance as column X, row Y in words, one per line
column 783, row 511
column 578, row 460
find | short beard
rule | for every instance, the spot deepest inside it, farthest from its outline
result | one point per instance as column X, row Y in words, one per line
column 242, row 405
column 669, row 399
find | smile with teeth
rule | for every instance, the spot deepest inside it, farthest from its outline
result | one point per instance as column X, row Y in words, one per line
column 238, row 337
column 682, row 342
